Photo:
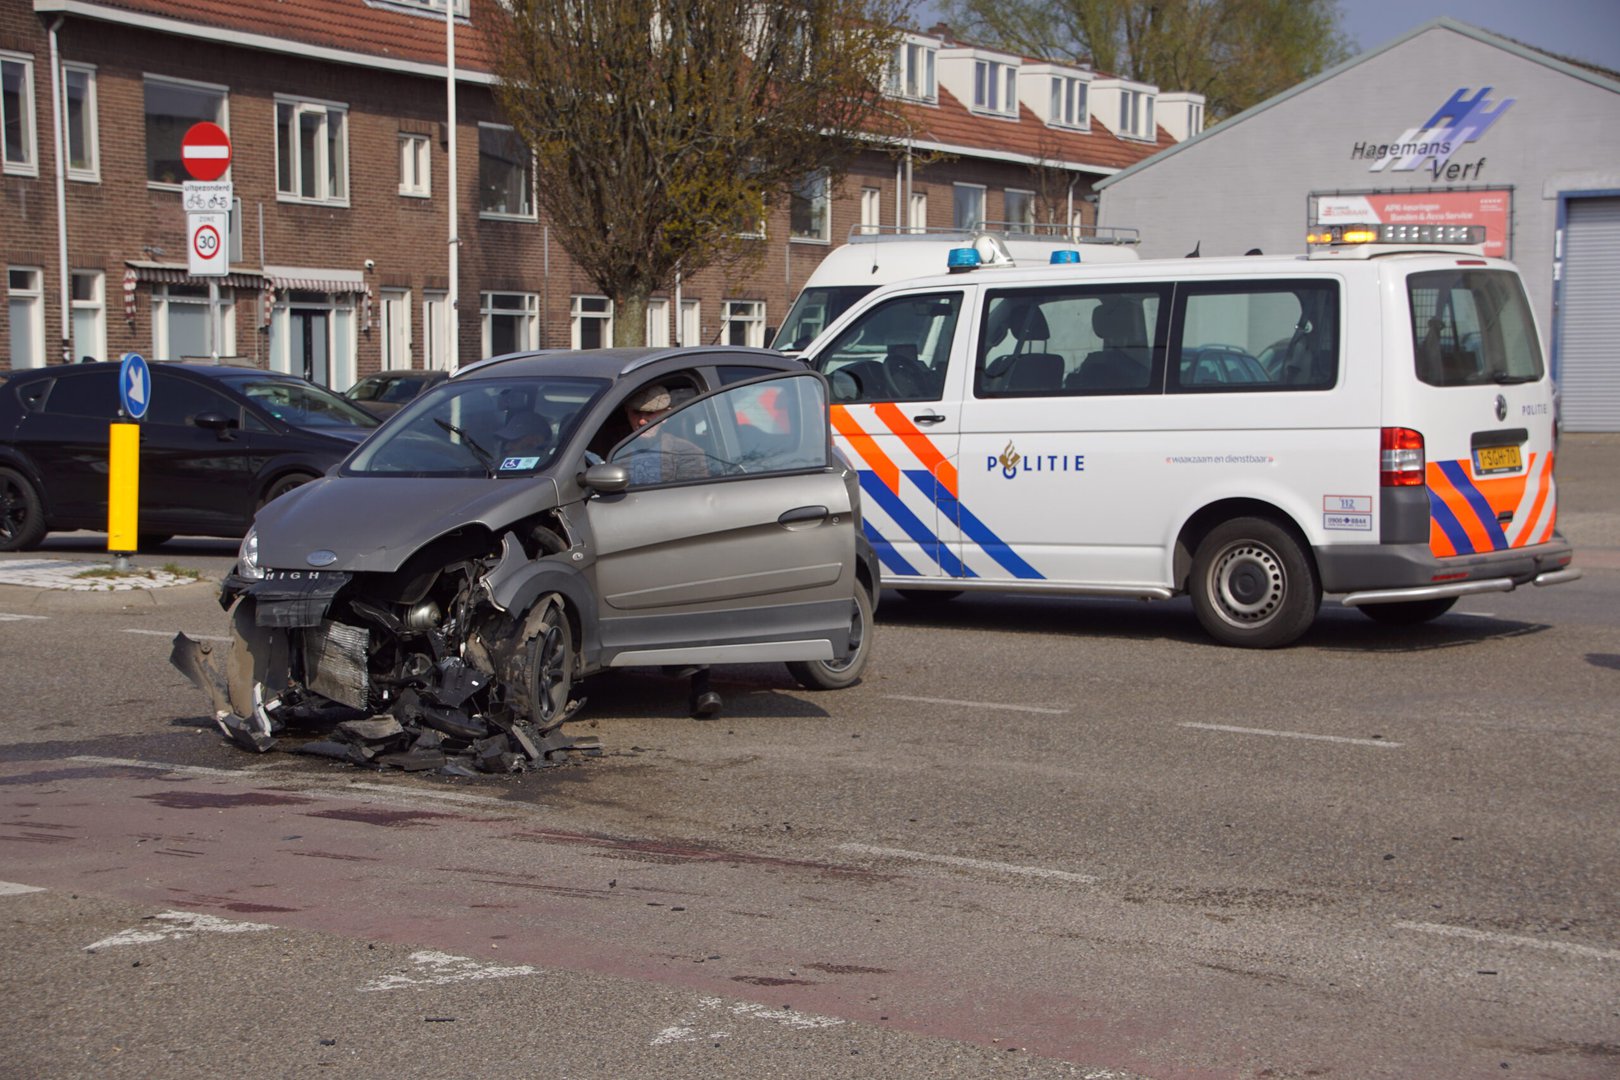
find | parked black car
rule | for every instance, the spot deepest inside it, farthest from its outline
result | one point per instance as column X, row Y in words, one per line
column 382, row 394
column 217, row 442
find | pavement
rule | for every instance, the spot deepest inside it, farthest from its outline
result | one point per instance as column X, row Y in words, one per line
column 1588, row 515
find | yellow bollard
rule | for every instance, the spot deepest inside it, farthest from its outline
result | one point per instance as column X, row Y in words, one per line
column 123, row 486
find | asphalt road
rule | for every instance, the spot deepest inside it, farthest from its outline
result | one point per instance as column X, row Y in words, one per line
column 1042, row 838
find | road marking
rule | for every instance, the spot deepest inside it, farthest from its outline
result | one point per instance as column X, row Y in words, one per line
column 8, row 617
column 438, row 969
column 177, row 924
column 446, row 796
column 970, row 864
column 686, row 1030
column 397, row 795
column 1289, row 734
column 1510, row 939
column 171, row 633
column 136, row 763
column 12, row 888
column 1001, row 705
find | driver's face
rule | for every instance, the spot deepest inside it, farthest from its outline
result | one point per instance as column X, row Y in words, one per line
column 639, row 420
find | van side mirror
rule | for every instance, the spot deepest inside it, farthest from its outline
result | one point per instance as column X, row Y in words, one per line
column 607, row 478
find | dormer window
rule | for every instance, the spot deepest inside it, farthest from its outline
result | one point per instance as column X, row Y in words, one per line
column 1126, row 107
column 995, row 87
column 911, row 71
column 433, row 6
column 1068, row 106
column 1136, row 114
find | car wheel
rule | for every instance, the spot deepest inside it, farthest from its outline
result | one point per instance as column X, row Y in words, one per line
column 837, row 674
column 1253, row 585
column 22, row 517
column 928, row 596
column 1408, row 612
column 284, row 485
column 551, row 660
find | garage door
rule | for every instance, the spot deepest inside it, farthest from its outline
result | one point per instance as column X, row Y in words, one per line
column 1589, row 324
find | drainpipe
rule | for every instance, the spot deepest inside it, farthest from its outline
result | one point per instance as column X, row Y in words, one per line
column 454, row 359
column 1068, row 211
column 57, row 134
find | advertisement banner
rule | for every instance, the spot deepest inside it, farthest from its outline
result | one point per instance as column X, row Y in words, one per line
column 1492, row 209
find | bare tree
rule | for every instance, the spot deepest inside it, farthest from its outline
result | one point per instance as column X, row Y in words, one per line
column 662, row 129
column 1236, row 53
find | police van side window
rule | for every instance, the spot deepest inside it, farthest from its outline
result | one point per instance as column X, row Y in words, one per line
column 1255, row 336
column 897, row 351
column 1072, row 341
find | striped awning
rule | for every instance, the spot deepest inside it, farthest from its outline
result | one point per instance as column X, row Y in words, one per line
column 176, row 274
column 301, row 279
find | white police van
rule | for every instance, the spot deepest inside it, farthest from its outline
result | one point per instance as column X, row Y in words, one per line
column 1373, row 419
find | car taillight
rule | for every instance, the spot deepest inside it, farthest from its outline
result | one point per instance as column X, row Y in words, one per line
column 1400, row 459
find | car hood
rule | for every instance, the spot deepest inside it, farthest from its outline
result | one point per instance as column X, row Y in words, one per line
column 347, row 434
column 373, row 524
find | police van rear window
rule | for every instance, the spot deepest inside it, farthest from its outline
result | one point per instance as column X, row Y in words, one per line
column 1472, row 327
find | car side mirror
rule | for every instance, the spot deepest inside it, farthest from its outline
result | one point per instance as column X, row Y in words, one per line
column 607, row 478
column 218, row 423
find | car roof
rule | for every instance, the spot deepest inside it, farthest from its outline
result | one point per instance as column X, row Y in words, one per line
column 407, row 373
column 221, row 372
column 614, row 364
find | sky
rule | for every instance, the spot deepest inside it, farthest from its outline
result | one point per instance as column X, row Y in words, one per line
column 1586, row 30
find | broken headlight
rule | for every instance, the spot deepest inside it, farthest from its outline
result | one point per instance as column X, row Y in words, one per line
column 247, row 557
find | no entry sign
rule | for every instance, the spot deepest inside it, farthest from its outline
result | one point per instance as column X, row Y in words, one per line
column 206, row 151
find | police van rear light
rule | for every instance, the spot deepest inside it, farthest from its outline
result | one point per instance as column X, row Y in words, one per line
column 959, row 259
column 1401, row 459
column 1065, row 257
column 1396, row 235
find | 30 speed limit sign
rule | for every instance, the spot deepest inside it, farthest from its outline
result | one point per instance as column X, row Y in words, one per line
column 208, row 252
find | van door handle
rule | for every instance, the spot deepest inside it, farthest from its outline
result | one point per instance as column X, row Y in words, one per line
column 929, row 418
column 802, row 514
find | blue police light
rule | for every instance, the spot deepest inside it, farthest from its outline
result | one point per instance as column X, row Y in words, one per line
column 1066, row 256
column 961, row 259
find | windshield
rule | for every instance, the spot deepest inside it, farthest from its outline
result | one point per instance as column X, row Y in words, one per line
column 813, row 311
column 1472, row 327
column 482, row 427
column 393, row 389
column 306, row 405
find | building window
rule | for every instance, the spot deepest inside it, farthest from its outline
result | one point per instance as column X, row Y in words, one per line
column 911, row 71
column 917, row 211
column 83, row 145
column 744, row 323
column 89, row 315
column 658, row 322
column 415, row 165
column 871, row 210
column 968, row 211
column 1068, row 107
column 438, row 353
column 808, row 214
column 690, row 327
column 460, row 7
column 591, row 322
column 312, row 152
column 511, row 322
column 27, row 310
column 1136, row 114
column 181, row 325
column 1019, row 206
column 505, row 173
column 395, row 312
column 17, row 114
column 995, row 87
column 172, row 107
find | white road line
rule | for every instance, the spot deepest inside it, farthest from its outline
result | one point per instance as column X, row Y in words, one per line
column 159, row 766
column 397, row 795
column 970, row 864
column 439, row 969
column 171, row 633
column 177, row 924
column 6, row 616
column 12, row 888
column 992, row 705
column 1290, row 734
column 686, row 1030
column 446, row 796
column 1510, row 939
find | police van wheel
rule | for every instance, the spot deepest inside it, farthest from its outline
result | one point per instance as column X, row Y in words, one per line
column 837, row 674
column 1408, row 612
column 1253, row 585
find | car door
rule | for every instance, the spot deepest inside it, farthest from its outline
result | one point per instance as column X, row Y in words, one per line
column 67, row 440
column 193, row 477
column 746, row 552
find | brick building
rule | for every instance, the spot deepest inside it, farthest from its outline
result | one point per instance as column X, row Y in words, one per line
column 340, row 238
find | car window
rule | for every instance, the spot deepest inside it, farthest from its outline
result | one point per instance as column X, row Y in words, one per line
column 897, row 351
column 1471, row 327
column 772, row 426
column 492, row 427
column 180, row 401
column 1071, row 340
column 306, row 405
column 84, row 393
column 1254, row 336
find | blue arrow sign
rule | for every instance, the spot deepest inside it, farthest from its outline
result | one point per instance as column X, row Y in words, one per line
column 134, row 386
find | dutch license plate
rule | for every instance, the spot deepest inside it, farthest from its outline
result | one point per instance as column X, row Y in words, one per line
column 1496, row 459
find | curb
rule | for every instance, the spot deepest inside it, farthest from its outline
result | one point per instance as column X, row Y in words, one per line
column 33, row 598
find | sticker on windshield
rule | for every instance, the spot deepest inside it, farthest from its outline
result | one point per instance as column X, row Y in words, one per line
column 519, row 463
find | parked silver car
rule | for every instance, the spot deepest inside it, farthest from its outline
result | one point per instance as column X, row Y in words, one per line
column 541, row 517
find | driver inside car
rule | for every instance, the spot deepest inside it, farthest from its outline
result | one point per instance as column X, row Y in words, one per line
column 523, row 434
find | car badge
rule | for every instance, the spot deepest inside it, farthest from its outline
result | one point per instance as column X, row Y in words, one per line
column 1501, row 407
column 322, row 557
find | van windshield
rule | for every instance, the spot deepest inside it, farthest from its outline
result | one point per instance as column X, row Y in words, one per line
column 815, row 309
column 1472, row 327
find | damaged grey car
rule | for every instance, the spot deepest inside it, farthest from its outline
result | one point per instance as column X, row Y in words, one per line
column 437, row 600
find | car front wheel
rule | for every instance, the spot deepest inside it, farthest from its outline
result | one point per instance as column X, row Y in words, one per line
column 284, row 485
column 846, row 671
column 22, row 516
column 550, row 664
column 1253, row 585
